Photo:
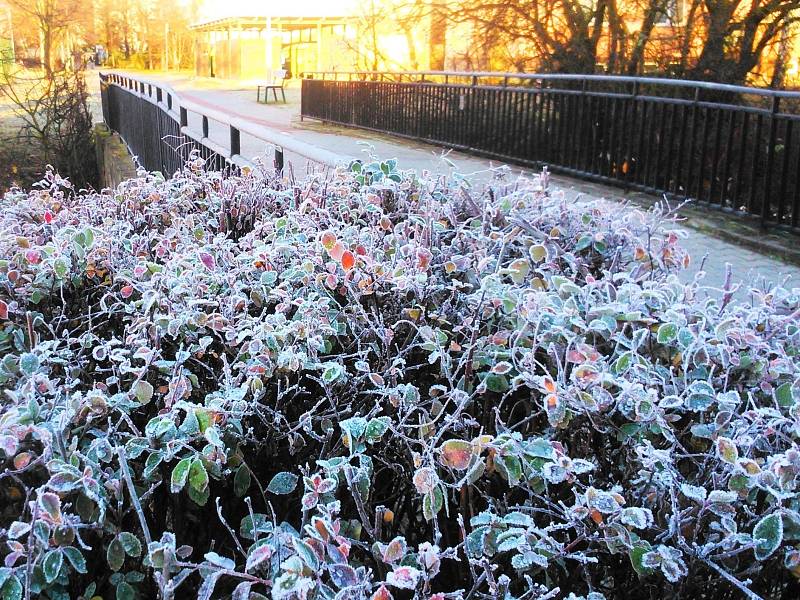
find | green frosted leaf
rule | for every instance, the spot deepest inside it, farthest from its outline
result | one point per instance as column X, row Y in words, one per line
column 768, row 535
column 130, row 543
column 76, row 559
column 28, row 363
column 241, row 481
column 667, row 332
column 198, row 476
column 143, row 392
column 51, row 565
column 283, row 483
column 115, row 554
column 179, row 475
column 376, row 428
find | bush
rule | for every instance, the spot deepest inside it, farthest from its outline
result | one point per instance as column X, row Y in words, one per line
column 372, row 384
column 51, row 127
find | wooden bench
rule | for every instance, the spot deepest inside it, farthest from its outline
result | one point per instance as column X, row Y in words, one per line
column 273, row 87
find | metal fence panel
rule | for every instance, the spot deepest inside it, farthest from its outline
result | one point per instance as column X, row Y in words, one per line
column 727, row 147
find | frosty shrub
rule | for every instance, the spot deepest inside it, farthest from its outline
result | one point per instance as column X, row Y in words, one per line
column 376, row 384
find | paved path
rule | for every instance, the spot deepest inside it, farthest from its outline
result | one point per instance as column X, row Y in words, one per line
column 283, row 120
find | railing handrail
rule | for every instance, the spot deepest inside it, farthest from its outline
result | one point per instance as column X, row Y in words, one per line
column 733, row 153
column 578, row 77
column 173, row 108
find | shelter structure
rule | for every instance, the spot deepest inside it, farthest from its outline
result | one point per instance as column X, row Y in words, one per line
column 256, row 47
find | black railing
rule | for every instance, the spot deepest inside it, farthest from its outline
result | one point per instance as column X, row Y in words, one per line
column 154, row 122
column 150, row 121
column 731, row 147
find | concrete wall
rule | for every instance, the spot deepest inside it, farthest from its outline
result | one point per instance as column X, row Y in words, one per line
column 114, row 163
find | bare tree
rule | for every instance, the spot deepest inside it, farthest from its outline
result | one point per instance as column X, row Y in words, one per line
column 55, row 122
column 49, row 19
column 738, row 34
column 557, row 35
column 619, row 37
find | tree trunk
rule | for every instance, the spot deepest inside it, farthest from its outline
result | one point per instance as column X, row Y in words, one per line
column 637, row 54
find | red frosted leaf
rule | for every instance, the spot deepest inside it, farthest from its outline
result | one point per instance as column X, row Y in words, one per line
column 207, row 260
column 425, row 480
column 48, row 217
column 3, row 310
column 383, row 593
column 348, row 260
column 258, row 556
column 394, row 551
column 126, row 291
column 575, row 356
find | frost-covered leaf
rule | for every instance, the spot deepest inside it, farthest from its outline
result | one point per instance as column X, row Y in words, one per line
column 283, row 483
column 456, row 454
column 694, row 492
column 768, row 535
column 638, row 518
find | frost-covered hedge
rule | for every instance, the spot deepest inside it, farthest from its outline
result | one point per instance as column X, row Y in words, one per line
column 370, row 385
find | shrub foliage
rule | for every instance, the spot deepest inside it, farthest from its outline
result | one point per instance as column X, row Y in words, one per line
column 380, row 385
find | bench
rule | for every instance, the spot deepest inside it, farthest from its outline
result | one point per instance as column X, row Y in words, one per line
column 274, row 87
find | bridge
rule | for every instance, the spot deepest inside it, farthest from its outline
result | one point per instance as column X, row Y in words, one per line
column 729, row 148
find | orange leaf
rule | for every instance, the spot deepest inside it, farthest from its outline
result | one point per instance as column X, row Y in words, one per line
column 348, row 260
column 382, row 594
column 328, row 240
column 22, row 460
column 456, row 454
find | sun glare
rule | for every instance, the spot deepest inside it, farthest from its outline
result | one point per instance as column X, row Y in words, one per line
column 215, row 9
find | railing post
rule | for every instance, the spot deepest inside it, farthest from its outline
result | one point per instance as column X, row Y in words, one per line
column 169, row 101
column 205, row 126
column 765, row 200
column 236, row 145
column 278, row 161
column 159, row 97
column 184, row 117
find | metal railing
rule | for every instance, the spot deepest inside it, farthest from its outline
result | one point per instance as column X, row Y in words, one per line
column 154, row 121
column 730, row 147
column 154, row 125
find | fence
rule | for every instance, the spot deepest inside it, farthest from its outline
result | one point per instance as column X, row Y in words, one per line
column 730, row 147
column 154, row 122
